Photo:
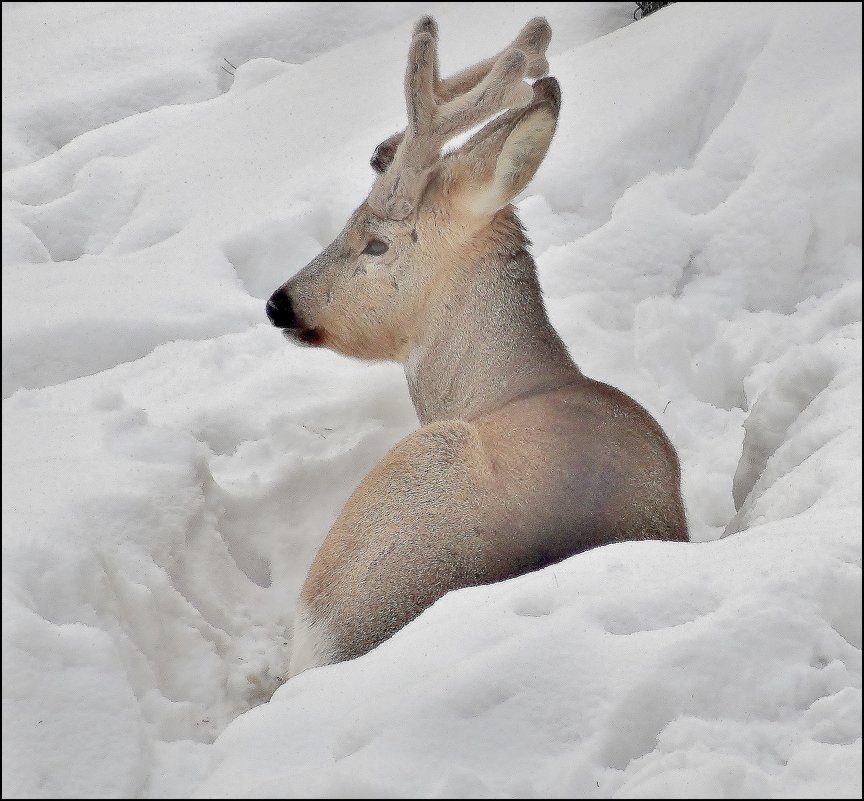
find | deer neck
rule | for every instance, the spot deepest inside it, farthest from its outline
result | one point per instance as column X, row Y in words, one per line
column 486, row 341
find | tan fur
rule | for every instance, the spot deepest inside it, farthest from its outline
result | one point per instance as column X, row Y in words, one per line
column 463, row 503
column 521, row 460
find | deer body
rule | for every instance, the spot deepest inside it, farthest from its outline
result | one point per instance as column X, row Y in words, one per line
column 521, row 460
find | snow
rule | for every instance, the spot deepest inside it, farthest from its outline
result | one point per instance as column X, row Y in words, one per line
column 170, row 464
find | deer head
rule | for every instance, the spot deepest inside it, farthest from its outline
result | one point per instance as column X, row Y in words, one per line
column 429, row 219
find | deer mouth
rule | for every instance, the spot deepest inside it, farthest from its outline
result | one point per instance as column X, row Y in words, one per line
column 307, row 337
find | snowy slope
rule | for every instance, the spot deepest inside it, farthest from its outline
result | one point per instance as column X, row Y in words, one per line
column 170, row 464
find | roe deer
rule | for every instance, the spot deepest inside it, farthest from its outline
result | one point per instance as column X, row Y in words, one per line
column 521, row 460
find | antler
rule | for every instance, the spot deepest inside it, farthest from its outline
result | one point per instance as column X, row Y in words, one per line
column 438, row 110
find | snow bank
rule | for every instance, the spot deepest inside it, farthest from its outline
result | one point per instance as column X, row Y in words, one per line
column 170, row 464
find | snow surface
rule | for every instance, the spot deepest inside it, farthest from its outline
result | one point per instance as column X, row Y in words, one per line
column 170, row 464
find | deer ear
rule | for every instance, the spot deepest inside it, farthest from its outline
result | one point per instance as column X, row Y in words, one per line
column 495, row 165
column 384, row 153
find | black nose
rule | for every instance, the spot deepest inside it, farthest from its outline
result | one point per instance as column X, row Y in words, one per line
column 280, row 311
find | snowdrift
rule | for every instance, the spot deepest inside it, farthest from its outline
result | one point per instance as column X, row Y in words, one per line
column 170, row 464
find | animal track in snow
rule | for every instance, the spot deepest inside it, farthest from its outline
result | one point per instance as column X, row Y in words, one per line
column 538, row 604
column 624, row 619
column 478, row 695
column 349, row 742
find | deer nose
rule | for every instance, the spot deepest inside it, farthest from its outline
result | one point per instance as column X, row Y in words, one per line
column 280, row 311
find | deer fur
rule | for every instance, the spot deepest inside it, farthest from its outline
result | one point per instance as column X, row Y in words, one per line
column 520, row 460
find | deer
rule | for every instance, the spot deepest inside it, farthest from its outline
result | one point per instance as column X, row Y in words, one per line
column 520, row 460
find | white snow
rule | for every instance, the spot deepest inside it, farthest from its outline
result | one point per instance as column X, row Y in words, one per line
column 170, row 463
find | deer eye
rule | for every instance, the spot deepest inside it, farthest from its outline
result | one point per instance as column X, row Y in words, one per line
column 375, row 247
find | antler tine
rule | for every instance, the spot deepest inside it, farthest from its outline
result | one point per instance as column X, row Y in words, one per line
column 420, row 81
column 502, row 88
column 532, row 40
column 436, row 112
column 428, row 25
